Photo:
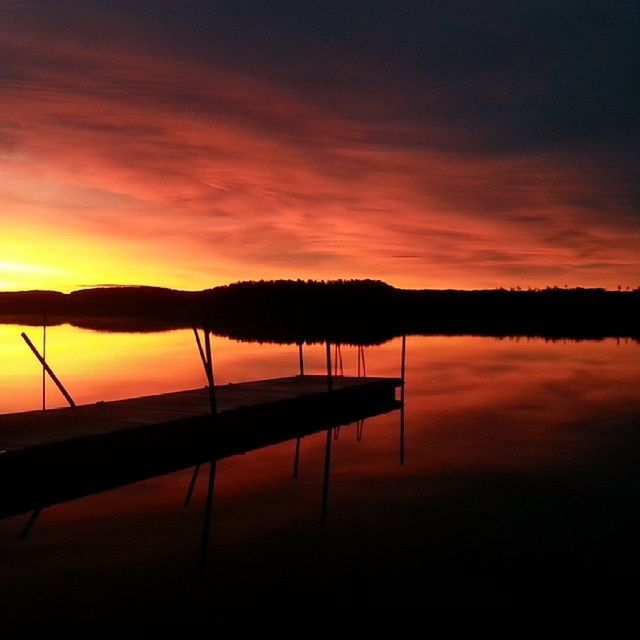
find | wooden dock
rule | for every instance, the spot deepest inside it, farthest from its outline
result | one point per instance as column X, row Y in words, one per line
column 50, row 456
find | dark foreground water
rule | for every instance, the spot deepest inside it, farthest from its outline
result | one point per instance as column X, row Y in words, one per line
column 515, row 513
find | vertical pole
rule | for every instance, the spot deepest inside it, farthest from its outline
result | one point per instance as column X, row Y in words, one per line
column 337, row 365
column 362, row 367
column 403, row 366
column 402, row 378
column 209, row 370
column 301, row 358
column 325, row 483
column 329, row 378
column 44, row 357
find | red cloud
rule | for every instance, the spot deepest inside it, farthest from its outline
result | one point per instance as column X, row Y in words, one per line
column 206, row 175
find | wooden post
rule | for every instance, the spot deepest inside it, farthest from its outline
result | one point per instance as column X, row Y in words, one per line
column 362, row 366
column 300, row 357
column 329, row 378
column 209, row 368
column 402, row 378
column 44, row 357
column 337, row 365
column 48, row 369
column 200, row 350
column 403, row 365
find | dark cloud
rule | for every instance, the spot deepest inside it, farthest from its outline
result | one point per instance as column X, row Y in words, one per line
column 512, row 74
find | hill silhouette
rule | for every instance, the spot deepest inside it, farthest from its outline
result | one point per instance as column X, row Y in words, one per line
column 360, row 311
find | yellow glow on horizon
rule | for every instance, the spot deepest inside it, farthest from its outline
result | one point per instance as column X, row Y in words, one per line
column 65, row 262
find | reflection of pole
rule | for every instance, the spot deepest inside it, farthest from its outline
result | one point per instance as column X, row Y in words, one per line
column 32, row 520
column 325, row 484
column 402, row 377
column 402, row 434
column 208, row 510
column 329, row 378
column 301, row 358
column 48, row 369
column 192, row 486
column 296, row 459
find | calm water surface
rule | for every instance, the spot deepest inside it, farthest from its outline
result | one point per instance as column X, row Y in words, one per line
column 515, row 510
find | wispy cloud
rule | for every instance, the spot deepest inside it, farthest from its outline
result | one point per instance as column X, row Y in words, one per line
column 176, row 166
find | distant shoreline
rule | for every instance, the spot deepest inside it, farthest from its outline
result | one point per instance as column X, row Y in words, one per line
column 362, row 311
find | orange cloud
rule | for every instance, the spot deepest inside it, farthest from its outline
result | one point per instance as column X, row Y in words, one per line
column 121, row 167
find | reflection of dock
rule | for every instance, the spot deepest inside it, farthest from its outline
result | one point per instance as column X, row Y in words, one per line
column 59, row 454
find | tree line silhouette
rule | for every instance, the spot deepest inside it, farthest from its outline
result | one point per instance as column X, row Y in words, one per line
column 360, row 311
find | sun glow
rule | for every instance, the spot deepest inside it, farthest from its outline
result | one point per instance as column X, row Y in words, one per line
column 22, row 275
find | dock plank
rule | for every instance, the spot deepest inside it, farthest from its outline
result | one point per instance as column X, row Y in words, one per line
column 48, row 457
column 36, row 428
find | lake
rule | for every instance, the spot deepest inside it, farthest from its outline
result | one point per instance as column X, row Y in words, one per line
column 514, row 513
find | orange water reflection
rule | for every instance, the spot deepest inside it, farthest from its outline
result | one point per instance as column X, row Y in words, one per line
column 534, row 380
column 520, row 395
column 503, row 438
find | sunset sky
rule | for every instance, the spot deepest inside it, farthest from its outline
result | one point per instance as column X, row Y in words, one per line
column 430, row 144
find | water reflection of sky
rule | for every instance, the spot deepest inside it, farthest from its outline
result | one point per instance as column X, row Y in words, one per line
column 502, row 437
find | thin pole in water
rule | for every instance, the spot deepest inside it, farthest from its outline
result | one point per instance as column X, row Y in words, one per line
column 402, row 378
column 200, row 350
column 209, row 368
column 44, row 357
column 48, row 369
column 301, row 358
column 362, row 365
column 329, row 378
